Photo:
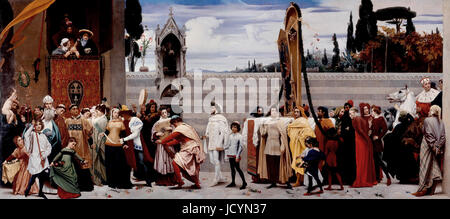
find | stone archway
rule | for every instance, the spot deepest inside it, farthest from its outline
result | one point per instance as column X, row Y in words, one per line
column 171, row 53
column 6, row 58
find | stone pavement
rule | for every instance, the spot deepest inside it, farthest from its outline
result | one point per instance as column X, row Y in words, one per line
column 253, row 191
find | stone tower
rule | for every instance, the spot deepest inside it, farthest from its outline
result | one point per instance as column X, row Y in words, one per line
column 170, row 56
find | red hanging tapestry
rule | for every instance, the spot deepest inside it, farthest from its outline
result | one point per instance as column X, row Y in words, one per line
column 75, row 81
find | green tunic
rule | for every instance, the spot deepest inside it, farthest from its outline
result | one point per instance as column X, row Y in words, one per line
column 65, row 176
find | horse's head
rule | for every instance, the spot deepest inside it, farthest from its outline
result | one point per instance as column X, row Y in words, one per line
column 398, row 96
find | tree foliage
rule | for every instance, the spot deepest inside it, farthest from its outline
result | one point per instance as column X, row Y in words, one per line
column 336, row 58
column 406, row 53
column 366, row 28
column 325, row 58
column 350, row 38
column 133, row 19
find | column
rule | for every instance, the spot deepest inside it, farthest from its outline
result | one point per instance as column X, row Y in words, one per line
column 446, row 101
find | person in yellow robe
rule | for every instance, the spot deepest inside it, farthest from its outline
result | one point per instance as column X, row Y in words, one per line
column 81, row 129
column 298, row 131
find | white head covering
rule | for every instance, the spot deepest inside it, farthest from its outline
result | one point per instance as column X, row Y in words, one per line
column 217, row 106
column 425, row 80
column 64, row 40
column 47, row 99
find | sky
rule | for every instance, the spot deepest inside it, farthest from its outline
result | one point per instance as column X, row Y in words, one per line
column 225, row 34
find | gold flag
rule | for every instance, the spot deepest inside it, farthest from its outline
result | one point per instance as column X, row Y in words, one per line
column 28, row 13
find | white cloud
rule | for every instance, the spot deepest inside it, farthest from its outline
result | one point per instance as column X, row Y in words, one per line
column 221, row 37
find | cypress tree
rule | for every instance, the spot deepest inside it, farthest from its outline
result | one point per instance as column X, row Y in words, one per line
column 335, row 59
column 350, row 38
column 366, row 28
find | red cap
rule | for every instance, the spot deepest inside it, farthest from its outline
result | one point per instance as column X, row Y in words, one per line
column 351, row 102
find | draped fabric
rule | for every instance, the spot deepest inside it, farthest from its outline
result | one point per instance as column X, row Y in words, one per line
column 434, row 138
column 10, row 170
column 81, row 129
column 298, row 131
column 65, row 176
column 163, row 163
column 365, row 166
column 285, row 170
column 84, row 71
column 54, row 138
column 285, row 158
column 252, row 160
column 191, row 153
column 98, row 170
column 326, row 124
column 23, row 176
column 26, row 16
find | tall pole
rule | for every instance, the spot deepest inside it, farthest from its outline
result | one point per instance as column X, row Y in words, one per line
column 371, row 62
column 386, row 54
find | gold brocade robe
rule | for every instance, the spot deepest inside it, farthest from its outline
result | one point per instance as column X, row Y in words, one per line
column 298, row 131
column 81, row 129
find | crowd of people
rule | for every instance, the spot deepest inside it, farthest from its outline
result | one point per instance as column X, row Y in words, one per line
column 69, row 41
column 99, row 146
column 70, row 152
column 353, row 146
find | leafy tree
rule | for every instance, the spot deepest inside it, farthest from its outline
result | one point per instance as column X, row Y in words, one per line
column 406, row 53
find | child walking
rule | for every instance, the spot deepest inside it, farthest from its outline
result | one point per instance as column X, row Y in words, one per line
column 233, row 151
column 37, row 145
column 311, row 162
column 63, row 173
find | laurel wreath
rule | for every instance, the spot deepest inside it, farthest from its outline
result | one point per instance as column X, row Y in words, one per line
column 24, row 84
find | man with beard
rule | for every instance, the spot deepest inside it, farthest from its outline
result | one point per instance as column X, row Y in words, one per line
column 86, row 46
column 66, row 49
column 50, row 129
column 68, row 32
column 346, row 152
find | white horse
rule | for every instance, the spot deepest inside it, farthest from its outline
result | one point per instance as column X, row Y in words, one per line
column 407, row 101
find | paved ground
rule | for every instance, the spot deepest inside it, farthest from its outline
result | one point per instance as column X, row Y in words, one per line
column 253, row 191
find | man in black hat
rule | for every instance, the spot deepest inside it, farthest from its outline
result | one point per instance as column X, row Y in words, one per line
column 86, row 46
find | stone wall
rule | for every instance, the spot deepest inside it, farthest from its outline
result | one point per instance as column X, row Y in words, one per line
column 25, row 55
